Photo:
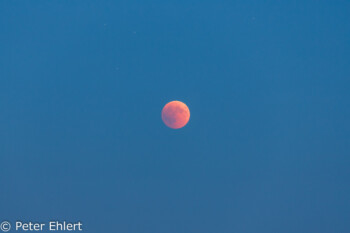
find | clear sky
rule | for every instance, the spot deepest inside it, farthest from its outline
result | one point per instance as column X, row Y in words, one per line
column 82, row 85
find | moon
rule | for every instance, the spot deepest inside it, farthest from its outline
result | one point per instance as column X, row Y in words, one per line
column 175, row 114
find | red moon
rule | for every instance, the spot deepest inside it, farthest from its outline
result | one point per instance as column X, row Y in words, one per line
column 175, row 114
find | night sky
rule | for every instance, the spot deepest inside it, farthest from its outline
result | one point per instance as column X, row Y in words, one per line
column 83, row 83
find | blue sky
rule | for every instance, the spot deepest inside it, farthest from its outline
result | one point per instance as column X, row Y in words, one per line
column 82, row 85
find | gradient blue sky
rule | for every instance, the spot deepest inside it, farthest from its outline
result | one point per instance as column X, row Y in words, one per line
column 82, row 85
